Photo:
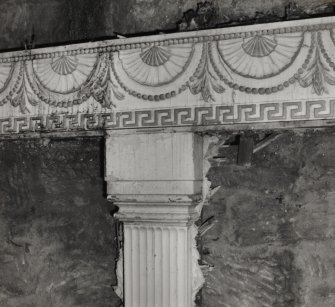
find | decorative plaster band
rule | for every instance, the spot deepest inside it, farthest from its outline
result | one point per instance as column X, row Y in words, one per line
column 197, row 116
column 261, row 73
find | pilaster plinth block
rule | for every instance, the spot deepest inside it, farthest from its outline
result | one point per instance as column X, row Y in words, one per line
column 156, row 181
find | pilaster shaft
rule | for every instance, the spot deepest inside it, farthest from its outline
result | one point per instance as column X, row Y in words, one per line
column 157, row 265
column 155, row 179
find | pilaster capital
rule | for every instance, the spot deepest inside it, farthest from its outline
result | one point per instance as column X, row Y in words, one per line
column 169, row 212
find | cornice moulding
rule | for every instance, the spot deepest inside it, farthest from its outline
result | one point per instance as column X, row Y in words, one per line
column 311, row 24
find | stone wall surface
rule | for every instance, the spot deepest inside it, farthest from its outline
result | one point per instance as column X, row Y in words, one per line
column 60, row 21
column 273, row 243
column 57, row 243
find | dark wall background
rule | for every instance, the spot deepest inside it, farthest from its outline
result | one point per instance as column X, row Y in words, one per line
column 57, row 243
column 58, row 21
column 273, row 244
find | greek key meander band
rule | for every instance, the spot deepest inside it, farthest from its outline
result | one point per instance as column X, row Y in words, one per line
column 192, row 116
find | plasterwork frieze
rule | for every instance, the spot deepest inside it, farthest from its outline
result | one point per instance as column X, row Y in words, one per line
column 221, row 71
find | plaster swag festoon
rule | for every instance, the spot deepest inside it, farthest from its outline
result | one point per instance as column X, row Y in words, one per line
column 152, row 95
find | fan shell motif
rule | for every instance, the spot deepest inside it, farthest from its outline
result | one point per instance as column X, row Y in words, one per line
column 261, row 56
column 64, row 65
column 66, row 73
column 156, row 65
column 155, row 56
column 259, row 46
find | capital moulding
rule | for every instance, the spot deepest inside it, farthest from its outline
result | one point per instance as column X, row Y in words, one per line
column 268, row 73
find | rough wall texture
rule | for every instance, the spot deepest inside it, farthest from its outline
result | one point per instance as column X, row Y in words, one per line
column 57, row 243
column 273, row 244
column 58, row 21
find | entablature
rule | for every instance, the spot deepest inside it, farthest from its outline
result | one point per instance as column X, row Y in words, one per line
column 273, row 74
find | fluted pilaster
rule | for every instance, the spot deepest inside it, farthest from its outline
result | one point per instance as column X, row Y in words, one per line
column 156, row 265
column 155, row 179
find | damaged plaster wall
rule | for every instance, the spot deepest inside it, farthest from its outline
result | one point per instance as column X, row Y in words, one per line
column 273, row 242
column 29, row 23
column 57, row 243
